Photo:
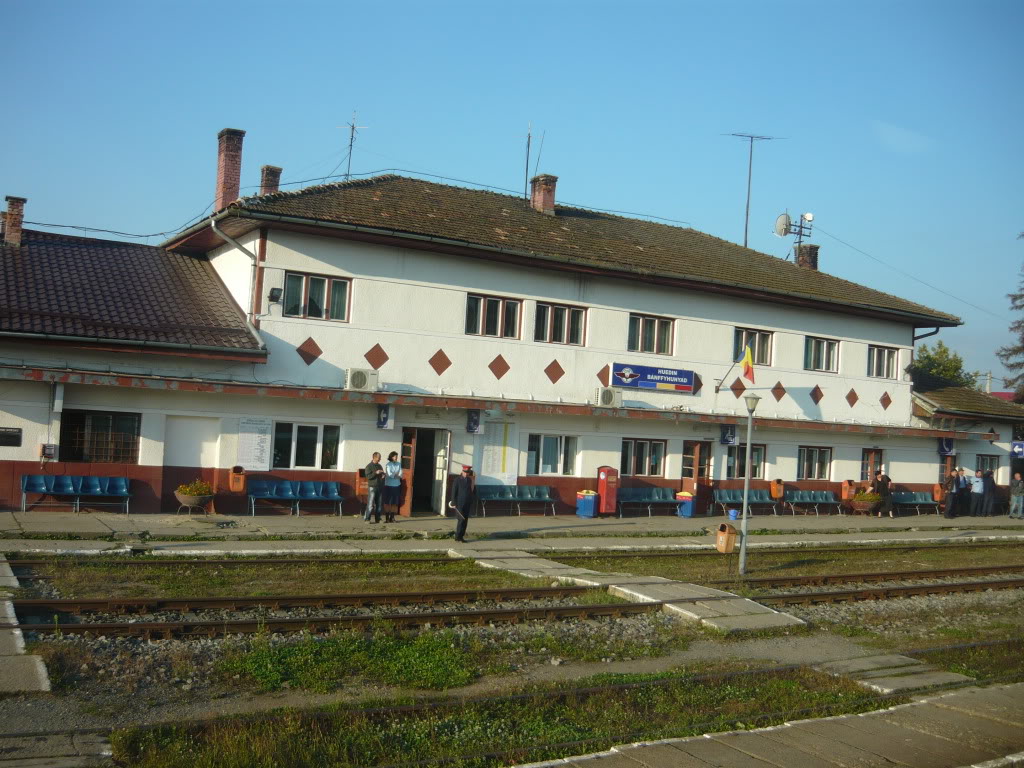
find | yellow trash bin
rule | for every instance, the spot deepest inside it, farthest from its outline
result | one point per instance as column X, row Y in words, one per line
column 725, row 540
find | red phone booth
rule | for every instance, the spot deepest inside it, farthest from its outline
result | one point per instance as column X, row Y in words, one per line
column 608, row 490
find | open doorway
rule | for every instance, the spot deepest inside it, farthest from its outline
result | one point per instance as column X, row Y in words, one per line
column 425, row 467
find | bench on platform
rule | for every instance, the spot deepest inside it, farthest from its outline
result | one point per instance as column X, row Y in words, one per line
column 915, row 499
column 648, row 498
column 295, row 492
column 816, row 500
column 78, row 487
column 515, row 496
column 732, row 498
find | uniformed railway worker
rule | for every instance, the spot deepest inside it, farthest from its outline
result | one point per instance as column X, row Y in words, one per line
column 463, row 501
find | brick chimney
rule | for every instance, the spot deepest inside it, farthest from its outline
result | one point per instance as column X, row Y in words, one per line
column 542, row 193
column 806, row 256
column 13, row 220
column 270, row 179
column 229, row 166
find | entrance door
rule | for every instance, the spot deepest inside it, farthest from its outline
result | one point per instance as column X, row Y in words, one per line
column 697, row 473
column 425, row 455
column 408, row 459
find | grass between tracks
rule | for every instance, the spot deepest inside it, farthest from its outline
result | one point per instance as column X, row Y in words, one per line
column 997, row 663
column 499, row 731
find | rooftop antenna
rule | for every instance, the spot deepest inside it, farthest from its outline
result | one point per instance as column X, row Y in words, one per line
column 540, row 151
column 802, row 227
column 750, row 173
column 526, row 178
column 352, row 128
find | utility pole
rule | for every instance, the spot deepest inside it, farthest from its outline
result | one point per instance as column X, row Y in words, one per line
column 750, row 174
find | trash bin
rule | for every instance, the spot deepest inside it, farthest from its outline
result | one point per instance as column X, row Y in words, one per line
column 725, row 540
column 685, row 508
column 734, row 514
column 236, row 480
column 586, row 504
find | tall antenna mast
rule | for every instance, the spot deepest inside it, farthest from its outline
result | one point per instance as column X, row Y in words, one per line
column 750, row 174
column 526, row 178
column 352, row 128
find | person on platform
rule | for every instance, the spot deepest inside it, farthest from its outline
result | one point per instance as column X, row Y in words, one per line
column 951, row 486
column 392, row 487
column 988, row 495
column 882, row 485
column 374, row 474
column 1017, row 497
column 963, row 493
column 463, row 501
column 977, row 494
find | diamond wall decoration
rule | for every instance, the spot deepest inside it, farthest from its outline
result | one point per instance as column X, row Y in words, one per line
column 309, row 351
column 817, row 394
column 554, row 371
column 440, row 362
column 885, row 400
column 604, row 374
column 851, row 397
column 778, row 391
column 499, row 367
column 376, row 357
column 737, row 388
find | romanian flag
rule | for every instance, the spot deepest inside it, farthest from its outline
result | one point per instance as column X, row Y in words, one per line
column 748, row 364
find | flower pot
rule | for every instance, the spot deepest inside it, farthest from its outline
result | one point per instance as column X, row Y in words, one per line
column 198, row 502
column 862, row 506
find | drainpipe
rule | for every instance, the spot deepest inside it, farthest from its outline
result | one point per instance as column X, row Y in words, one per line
column 252, row 273
column 925, row 335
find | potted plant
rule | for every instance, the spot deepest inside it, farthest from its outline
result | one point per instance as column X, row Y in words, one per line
column 195, row 494
column 864, row 501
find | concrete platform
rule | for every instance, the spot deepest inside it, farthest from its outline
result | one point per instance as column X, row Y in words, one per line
column 53, row 751
column 19, row 673
column 893, row 673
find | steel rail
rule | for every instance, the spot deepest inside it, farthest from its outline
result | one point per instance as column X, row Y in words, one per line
column 886, row 593
column 279, row 602
column 168, row 629
column 845, row 578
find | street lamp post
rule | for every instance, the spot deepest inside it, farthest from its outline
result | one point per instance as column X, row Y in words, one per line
column 752, row 401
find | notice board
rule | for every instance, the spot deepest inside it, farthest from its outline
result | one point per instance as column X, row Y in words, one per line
column 254, row 434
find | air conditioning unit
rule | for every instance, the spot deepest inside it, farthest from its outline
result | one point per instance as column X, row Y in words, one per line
column 608, row 397
column 361, row 380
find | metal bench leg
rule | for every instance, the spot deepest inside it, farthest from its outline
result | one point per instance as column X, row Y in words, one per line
column 22, row 501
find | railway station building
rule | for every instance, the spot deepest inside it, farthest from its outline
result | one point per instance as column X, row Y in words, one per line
column 294, row 333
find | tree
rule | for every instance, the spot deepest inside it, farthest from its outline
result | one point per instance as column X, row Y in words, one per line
column 944, row 363
column 1012, row 355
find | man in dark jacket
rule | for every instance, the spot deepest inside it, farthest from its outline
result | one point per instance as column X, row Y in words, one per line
column 463, row 501
column 374, row 474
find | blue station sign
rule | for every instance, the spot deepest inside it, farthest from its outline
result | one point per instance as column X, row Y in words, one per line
column 650, row 377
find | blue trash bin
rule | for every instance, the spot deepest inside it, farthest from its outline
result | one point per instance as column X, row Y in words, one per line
column 734, row 514
column 586, row 504
column 685, row 507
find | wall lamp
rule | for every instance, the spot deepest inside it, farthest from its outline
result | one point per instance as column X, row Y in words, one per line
column 275, row 295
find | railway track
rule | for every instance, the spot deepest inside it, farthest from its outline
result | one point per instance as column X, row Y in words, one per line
column 848, row 578
column 887, row 593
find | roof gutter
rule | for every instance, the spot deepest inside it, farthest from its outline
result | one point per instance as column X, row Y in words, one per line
column 135, row 343
column 242, row 213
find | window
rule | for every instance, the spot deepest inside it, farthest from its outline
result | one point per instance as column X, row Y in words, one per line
column 821, row 354
column 697, row 459
column 643, row 457
column 315, row 296
column 988, row 464
column 870, row 462
column 760, row 343
column 306, row 446
column 814, row 463
column 559, row 325
column 551, row 455
column 736, row 461
column 100, row 437
column 650, row 334
column 882, row 362
column 490, row 316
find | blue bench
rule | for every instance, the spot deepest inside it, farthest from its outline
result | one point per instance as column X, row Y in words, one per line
column 78, row 487
column 915, row 499
column 649, row 497
column 295, row 492
column 515, row 496
column 732, row 498
column 816, row 500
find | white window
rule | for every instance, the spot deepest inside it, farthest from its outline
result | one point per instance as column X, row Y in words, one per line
column 492, row 316
column 736, row 461
column 551, row 455
column 821, row 354
column 315, row 296
column 814, row 463
column 650, row 334
column 559, row 325
column 882, row 362
column 643, row 457
column 988, row 464
column 760, row 343
column 306, row 446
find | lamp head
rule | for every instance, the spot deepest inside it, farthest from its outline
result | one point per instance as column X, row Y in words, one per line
column 752, row 401
column 275, row 295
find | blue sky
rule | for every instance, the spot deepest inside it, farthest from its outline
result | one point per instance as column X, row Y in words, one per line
column 902, row 120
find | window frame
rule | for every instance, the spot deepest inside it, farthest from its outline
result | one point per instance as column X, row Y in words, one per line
column 987, row 459
column 115, row 454
column 330, row 282
column 868, row 469
column 319, row 461
column 808, row 354
column 536, row 469
column 632, row 442
column 481, row 322
column 550, row 308
column 656, row 320
column 873, row 351
column 801, row 461
column 739, row 336
column 735, row 468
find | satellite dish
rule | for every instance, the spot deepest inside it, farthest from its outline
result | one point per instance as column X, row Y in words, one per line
column 782, row 225
column 808, row 217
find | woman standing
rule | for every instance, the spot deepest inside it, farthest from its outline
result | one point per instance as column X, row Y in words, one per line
column 392, row 487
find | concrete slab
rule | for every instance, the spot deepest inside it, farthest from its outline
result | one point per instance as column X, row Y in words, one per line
column 840, row 754
column 986, row 702
column 22, row 674
column 896, row 752
column 662, row 756
column 980, row 733
column 913, row 682
column 721, row 754
column 757, row 745
column 610, row 760
column 915, row 669
column 944, row 752
column 21, row 747
column 11, row 642
column 753, row 623
column 7, row 615
column 81, row 761
column 692, row 611
column 738, row 607
column 867, row 663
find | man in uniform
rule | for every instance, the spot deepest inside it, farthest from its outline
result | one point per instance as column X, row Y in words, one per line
column 463, row 500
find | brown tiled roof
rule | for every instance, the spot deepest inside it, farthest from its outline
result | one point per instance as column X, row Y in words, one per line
column 104, row 290
column 578, row 236
column 950, row 398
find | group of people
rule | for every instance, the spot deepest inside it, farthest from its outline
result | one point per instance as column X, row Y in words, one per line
column 976, row 496
column 384, row 489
